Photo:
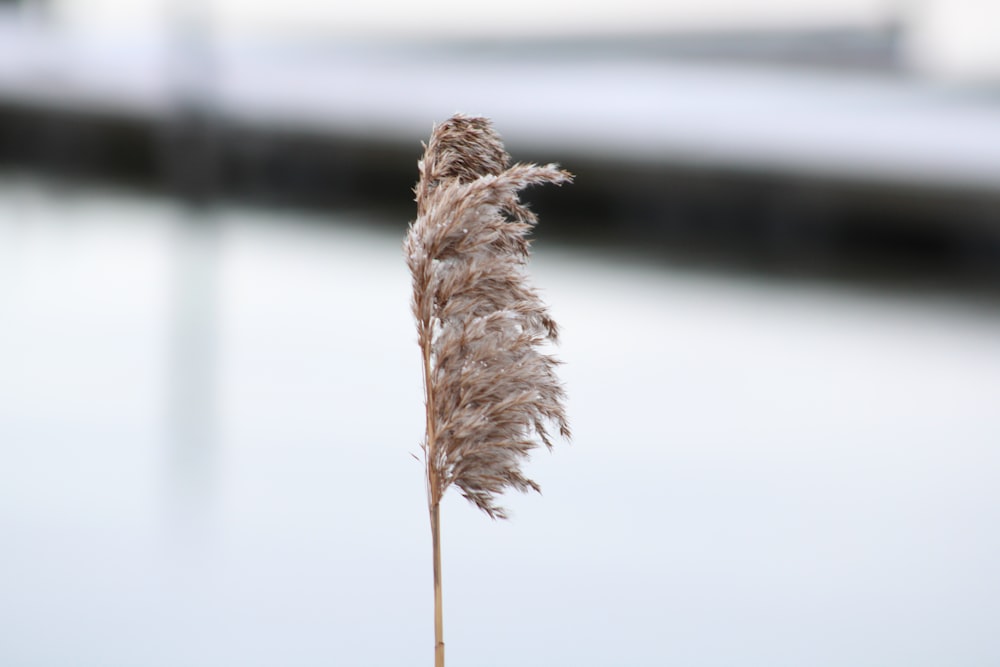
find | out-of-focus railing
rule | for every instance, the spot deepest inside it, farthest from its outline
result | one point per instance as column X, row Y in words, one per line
column 783, row 144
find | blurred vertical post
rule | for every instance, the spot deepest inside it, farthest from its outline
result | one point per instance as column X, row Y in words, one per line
column 189, row 160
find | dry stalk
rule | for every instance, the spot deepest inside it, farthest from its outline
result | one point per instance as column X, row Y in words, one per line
column 491, row 393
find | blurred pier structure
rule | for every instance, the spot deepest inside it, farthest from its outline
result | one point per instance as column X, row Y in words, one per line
column 816, row 147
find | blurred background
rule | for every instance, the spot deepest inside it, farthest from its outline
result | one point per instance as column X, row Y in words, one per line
column 777, row 273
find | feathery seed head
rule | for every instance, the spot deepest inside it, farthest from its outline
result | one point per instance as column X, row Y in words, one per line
column 491, row 393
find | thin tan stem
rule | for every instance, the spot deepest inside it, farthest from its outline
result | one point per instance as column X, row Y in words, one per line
column 438, row 621
column 434, row 503
column 430, row 451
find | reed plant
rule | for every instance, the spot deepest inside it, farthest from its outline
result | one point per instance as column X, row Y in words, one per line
column 490, row 388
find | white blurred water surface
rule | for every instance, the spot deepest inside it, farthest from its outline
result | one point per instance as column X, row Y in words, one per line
column 206, row 423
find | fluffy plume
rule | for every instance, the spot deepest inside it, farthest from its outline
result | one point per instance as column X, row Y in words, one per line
column 491, row 392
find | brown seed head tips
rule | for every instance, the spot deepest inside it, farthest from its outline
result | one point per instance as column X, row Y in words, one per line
column 492, row 394
column 465, row 148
